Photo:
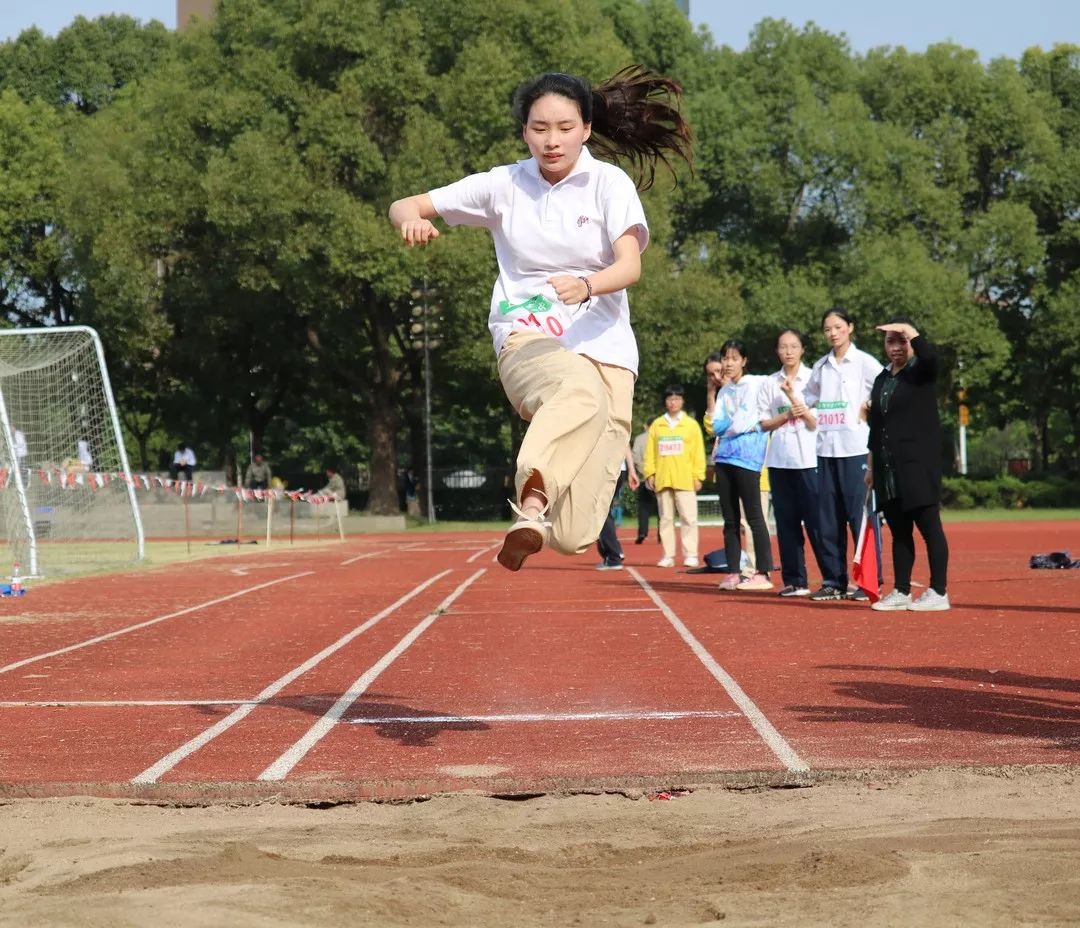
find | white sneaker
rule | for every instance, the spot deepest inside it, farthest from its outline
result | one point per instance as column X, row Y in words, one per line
column 931, row 601
column 690, row 562
column 666, row 562
column 894, row 601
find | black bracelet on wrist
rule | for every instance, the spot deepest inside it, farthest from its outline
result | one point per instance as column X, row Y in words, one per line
column 588, row 286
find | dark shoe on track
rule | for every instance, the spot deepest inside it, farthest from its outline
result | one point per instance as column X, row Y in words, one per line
column 826, row 593
column 790, row 590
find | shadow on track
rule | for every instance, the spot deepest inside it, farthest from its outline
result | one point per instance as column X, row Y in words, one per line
column 986, row 710
column 408, row 725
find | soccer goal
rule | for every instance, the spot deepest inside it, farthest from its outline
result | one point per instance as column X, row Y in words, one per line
column 66, row 493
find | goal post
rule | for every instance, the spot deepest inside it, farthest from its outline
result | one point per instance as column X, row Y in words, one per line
column 68, row 500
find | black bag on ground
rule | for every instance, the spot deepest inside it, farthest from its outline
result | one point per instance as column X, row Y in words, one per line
column 1055, row 559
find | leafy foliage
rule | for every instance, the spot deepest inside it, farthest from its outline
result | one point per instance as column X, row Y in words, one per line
column 214, row 203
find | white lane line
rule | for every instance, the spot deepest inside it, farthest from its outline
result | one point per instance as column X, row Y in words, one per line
column 360, row 557
column 784, row 751
column 153, row 773
column 280, row 768
column 518, row 611
column 133, row 703
column 161, row 618
column 482, row 552
column 545, row 717
column 513, row 718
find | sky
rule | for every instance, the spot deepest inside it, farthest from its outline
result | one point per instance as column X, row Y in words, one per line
column 991, row 27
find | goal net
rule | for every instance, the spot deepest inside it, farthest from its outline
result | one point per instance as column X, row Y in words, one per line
column 66, row 495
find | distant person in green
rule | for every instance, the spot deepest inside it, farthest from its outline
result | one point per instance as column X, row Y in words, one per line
column 258, row 474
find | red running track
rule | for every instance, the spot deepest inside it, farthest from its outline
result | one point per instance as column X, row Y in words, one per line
column 398, row 666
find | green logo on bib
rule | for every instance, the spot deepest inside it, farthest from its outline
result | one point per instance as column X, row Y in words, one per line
column 534, row 304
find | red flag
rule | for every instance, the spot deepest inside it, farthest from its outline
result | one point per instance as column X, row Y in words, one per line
column 865, row 569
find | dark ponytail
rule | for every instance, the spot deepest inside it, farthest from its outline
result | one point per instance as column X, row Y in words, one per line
column 634, row 115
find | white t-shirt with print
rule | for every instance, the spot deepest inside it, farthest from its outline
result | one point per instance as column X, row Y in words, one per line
column 837, row 390
column 793, row 446
column 541, row 230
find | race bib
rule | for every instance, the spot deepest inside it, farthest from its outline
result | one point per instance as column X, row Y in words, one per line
column 538, row 313
column 835, row 416
column 790, row 423
column 671, row 447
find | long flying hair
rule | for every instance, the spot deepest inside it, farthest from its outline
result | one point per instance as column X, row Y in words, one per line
column 634, row 115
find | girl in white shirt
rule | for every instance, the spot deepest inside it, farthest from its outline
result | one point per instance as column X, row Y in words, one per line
column 568, row 231
column 838, row 388
column 792, row 460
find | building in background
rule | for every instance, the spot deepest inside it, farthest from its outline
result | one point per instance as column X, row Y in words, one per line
column 201, row 9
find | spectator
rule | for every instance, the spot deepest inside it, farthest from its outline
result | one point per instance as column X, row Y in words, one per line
column 646, row 498
column 837, row 390
column 259, row 474
column 183, row 463
column 740, row 456
column 335, row 484
column 82, row 455
column 905, row 455
column 674, row 469
column 715, row 562
column 791, row 461
column 18, row 444
column 608, row 542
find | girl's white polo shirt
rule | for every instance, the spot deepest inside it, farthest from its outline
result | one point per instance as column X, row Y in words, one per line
column 543, row 230
column 837, row 390
column 793, row 446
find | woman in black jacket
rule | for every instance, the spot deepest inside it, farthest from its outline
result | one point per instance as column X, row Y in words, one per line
column 905, row 451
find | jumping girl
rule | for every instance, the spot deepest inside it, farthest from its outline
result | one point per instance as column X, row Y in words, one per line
column 568, row 231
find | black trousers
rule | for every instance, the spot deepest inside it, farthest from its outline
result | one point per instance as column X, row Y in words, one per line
column 608, row 542
column 737, row 485
column 646, row 509
column 841, row 498
column 180, row 472
column 902, row 525
column 795, row 506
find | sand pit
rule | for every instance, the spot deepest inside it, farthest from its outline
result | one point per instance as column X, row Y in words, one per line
column 944, row 847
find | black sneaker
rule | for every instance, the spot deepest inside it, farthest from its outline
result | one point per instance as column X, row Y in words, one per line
column 791, row 590
column 826, row 593
column 609, row 565
column 859, row 596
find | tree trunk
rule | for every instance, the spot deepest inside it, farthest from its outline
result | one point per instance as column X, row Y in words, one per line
column 385, row 419
column 383, row 498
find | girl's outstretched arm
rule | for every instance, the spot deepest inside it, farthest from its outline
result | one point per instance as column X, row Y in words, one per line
column 412, row 217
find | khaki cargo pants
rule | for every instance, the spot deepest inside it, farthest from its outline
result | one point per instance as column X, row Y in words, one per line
column 579, row 427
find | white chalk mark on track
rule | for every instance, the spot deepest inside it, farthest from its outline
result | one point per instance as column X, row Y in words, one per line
column 482, row 552
column 545, row 717
column 161, row 618
column 511, row 718
column 360, row 557
column 765, row 729
column 280, row 768
column 163, row 766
